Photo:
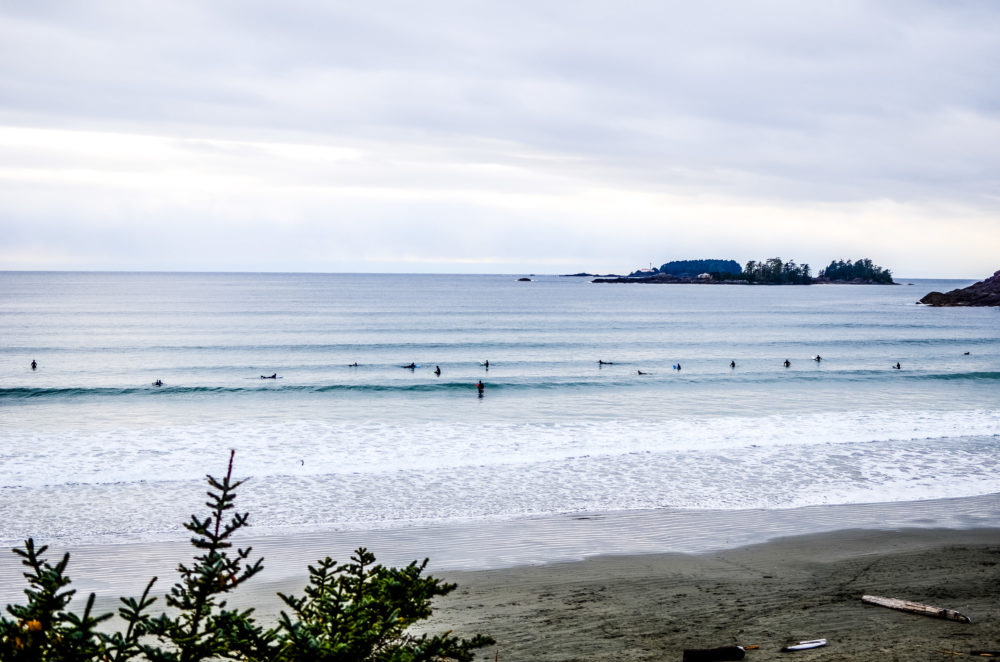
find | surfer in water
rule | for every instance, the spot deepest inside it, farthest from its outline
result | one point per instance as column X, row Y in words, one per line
column 158, row 382
column 437, row 370
column 641, row 372
column 274, row 376
column 600, row 362
column 412, row 366
column 34, row 366
column 352, row 365
column 787, row 363
column 677, row 367
column 817, row 358
column 486, row 364
column 897, row 366
column 480, row 387
column 732, row 364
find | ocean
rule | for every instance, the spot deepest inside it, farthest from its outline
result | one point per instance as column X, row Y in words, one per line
column 92, row 452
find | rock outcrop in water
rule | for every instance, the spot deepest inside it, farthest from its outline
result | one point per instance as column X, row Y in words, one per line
column 984, row 293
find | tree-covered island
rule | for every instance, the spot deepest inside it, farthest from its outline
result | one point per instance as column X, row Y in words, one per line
column 861, row 271
column 772, row 271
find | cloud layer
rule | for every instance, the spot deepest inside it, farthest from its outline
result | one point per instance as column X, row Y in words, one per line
column 498, row 136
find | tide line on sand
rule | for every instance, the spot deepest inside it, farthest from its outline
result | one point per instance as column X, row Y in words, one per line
column 122, row 569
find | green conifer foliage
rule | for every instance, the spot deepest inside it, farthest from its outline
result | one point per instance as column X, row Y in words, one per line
column 203, row 628
column 353, row 612
column 360, row 611
column 864, row 270
column 43, row 629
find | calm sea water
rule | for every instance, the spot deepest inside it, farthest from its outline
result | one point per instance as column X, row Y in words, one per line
column 91, row 450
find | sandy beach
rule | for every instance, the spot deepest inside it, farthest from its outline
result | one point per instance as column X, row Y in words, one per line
column 652, row 607
column 710, row 589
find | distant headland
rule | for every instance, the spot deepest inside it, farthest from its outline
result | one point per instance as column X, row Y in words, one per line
column 984, row 293
column 773, row 271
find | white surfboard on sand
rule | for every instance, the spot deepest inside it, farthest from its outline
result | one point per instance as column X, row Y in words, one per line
column 805, row 645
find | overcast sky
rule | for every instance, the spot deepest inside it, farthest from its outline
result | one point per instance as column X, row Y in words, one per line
column 508, row 136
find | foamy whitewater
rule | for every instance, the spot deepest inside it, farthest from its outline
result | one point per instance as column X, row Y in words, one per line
column 93, row 452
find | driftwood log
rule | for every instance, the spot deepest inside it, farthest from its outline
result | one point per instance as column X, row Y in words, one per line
column 916, row 608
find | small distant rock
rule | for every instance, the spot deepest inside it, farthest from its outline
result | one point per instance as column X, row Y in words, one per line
column 984, row 293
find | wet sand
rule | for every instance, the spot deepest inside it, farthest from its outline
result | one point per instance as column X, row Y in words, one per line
column 648, row 606
column 652, row 607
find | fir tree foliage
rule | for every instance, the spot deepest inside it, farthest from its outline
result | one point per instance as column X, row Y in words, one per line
column 693, row 268
column 863, row 269
column 353, row 612
column 360, row 611
column 774, row 271
column 43, row 629
column 203, row 628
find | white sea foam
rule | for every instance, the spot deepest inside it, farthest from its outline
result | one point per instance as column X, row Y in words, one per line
column 323, row 448
column 319, row 475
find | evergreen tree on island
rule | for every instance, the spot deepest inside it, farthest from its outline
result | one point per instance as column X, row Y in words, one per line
column 775, row 272
column 861, row 270
column 692, row 268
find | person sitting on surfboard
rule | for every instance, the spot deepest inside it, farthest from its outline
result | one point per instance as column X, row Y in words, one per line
column 732, row 364
column 35, row 365
column 437, row 370
column 787, row 363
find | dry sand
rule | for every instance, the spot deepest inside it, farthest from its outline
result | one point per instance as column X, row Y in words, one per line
column 808, row 587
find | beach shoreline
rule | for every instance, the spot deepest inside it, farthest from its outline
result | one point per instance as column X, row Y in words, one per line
column 638, row 608
column 644, row 585
column 125, row 565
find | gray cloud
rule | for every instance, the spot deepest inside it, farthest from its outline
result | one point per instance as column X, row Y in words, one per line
column 782, row 106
